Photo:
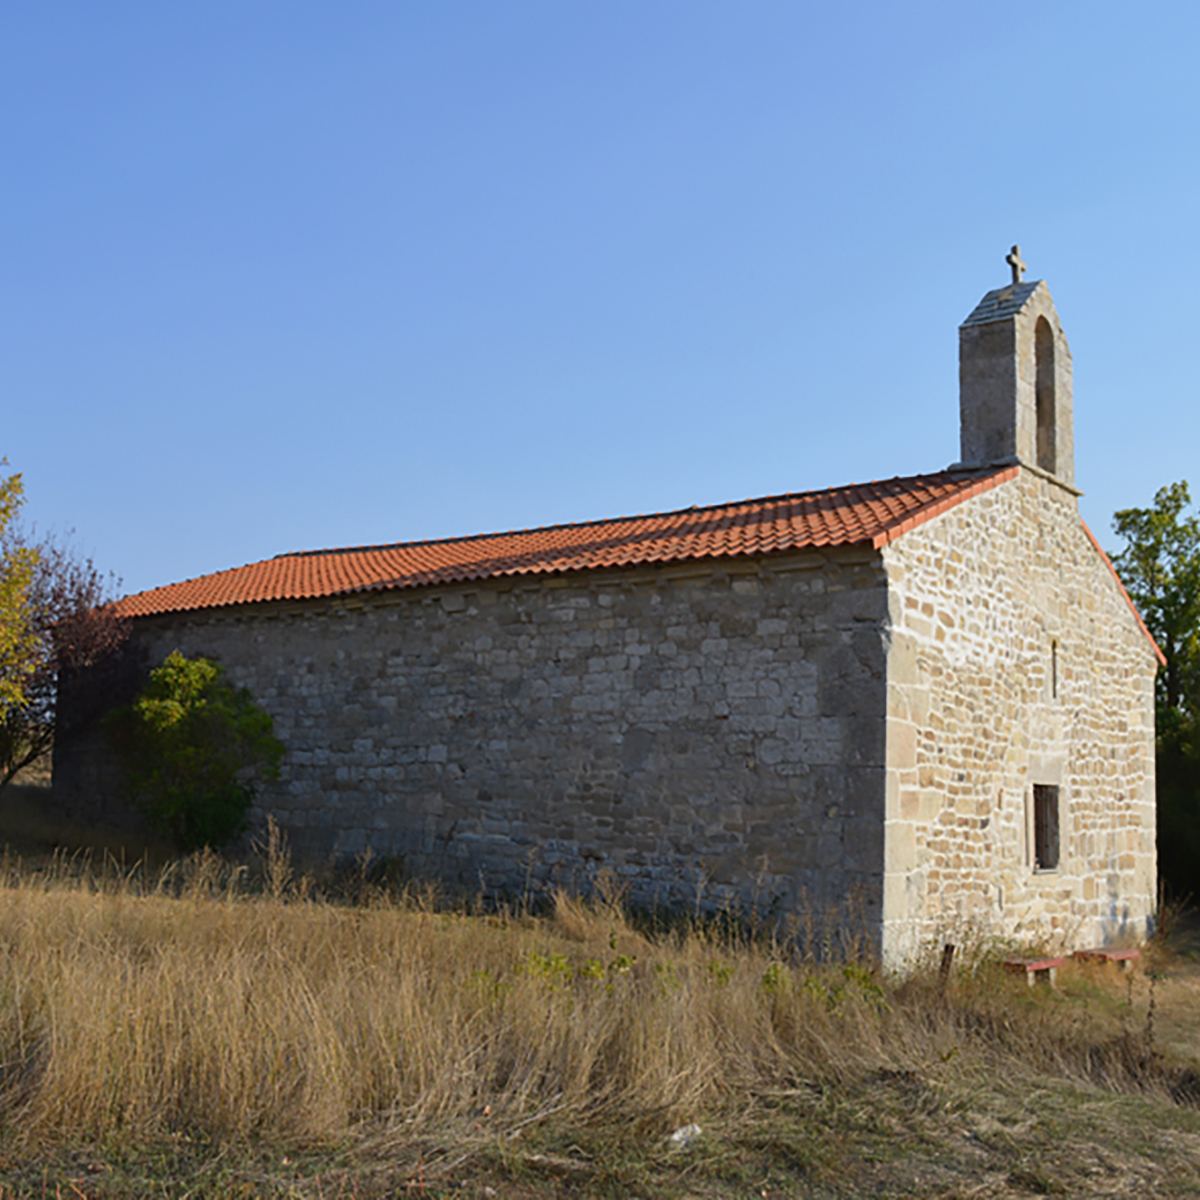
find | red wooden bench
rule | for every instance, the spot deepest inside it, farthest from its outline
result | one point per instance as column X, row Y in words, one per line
column 1124, row 956
column 1035, row 968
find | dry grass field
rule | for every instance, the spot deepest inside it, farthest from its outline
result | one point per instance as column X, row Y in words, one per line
column 206, row 1030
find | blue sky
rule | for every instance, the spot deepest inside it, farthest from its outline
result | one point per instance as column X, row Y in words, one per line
column 282, row 276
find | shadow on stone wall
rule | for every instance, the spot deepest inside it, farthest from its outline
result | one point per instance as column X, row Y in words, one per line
column 34, row 822
column 87, row 789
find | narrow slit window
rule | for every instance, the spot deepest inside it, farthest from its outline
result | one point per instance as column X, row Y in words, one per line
column 1045, row 827
column 1054, row 670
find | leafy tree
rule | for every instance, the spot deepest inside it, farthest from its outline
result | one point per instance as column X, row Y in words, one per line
column 194, row 749
column 72, row 626
column 1160, row 568
column 18, row 643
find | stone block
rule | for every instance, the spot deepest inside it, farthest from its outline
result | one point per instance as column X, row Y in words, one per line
column 900, row 843
column 901, row 745
column 896, row 898
column 920, row 804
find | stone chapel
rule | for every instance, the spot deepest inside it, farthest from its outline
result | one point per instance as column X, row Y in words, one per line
column 929, row 692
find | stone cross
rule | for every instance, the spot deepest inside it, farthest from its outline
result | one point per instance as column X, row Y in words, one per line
column 1014, row 261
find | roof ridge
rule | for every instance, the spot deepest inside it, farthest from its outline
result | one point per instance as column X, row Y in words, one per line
column 372, row 548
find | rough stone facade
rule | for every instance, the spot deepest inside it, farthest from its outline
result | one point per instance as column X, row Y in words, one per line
column 1015, row 660
column 887, row 708
column 709, row 733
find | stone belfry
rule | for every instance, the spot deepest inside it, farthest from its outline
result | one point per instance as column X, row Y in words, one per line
column 1014, row 379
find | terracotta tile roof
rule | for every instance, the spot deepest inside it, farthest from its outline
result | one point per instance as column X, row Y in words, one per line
column 870, row 514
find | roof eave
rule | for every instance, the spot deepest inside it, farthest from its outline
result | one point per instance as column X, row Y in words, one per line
column 1137, row 616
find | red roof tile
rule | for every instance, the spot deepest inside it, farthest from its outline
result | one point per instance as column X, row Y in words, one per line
column 870, row 514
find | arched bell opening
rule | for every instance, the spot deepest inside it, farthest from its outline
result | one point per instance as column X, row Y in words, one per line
column 1047, row 416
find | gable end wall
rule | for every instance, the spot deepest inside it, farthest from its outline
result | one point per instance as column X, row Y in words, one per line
column 977, row 598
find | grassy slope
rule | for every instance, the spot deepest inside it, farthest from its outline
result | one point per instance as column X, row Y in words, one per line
column 187, row 1034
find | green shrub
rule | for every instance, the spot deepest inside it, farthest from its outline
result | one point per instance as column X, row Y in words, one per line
column 194, row 749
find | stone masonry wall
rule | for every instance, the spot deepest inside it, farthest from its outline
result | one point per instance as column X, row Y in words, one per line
column 984, row 599
column 708, row 732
